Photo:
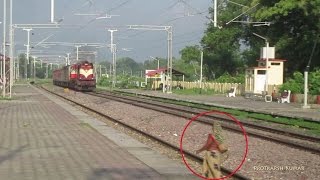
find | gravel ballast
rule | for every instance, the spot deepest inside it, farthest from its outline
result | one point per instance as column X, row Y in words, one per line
column 265, row 159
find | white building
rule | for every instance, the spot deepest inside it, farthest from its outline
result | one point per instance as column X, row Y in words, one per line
column 260, row 79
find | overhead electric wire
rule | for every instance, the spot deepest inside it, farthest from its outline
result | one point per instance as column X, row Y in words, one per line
column 175, row 43
column 171, row 20
column 165, row 11
column 105, row 12
column 56, row 32
column 162, row 24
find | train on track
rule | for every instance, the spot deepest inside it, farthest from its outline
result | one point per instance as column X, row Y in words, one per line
column 79, row 76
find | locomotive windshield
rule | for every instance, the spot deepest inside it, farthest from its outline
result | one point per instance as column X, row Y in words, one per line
column 86, row 71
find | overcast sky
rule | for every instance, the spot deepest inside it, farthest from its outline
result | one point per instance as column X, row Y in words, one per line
column 186, row 16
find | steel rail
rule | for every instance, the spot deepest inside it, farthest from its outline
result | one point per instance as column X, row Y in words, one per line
column 208, row 120
column 196, row 111
column 197, row 103
column 174, row 147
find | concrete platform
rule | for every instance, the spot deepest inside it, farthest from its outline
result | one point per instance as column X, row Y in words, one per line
column 293, row 110
column 42, row 137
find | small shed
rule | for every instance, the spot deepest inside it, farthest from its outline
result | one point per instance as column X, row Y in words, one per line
column 160, row 78
column 265, row 77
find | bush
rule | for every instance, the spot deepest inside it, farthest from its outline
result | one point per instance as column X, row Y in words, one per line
column 296, row 84
column 194, row 91
column 105, row 82
column 128, row 82
column 227, row 78
column 314, row 82
column 123, row 81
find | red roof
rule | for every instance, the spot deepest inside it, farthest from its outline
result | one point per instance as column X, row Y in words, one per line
column 155, row 72
column 163, row 70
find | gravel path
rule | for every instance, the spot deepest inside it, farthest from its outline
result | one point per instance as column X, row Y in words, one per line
column 265, row 160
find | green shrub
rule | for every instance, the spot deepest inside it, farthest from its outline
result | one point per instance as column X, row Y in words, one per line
column 128, row 82
column 194, row 91
column 227, row 78
column 105, row 82
column 314, row 82
column 296, row 84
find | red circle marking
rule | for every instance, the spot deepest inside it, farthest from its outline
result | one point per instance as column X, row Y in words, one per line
column 218, row 112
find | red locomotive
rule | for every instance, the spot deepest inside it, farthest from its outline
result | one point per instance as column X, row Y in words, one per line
column 79, row 76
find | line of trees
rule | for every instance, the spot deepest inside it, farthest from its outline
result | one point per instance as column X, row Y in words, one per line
column 230, row 49
column 294, row 29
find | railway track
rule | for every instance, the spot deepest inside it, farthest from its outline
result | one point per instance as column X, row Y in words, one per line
column 159, row 98
column 296, row 140
column 191, row 155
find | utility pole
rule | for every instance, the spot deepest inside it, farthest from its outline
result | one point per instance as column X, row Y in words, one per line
column 156, row 60
column 170, row 58
column 113, row 51
column 28, row 28
column 52, row 11
column 12, row 64
column 77, row 46
column 34, row 68
column 28, row 52
column 201, row 62
column 168, row 29
column 68, row 58
column 47, row 76
column 306, row 89
column 4, row 49
column 50, row 70
column 215, row 13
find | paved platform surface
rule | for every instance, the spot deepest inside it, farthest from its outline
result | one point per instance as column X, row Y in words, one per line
column 286, row 109
column 42, row 137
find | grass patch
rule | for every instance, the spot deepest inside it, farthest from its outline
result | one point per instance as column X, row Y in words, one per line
column 43, row 81
column 6, row 98
column 194, row 91
column 88, row 126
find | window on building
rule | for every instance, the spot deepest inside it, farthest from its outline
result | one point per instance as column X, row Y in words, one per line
column 261, row 72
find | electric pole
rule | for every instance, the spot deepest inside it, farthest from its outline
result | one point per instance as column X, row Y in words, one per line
column 168, row 29
column 4, row 49
column 113, row 51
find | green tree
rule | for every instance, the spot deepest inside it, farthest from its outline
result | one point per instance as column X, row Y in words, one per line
column 153, row 64
column 296, row 84
column 314, row 82
column 295, row 28
column 190, row 62
column 127, row 65
column 191, row 54
column 222, row 43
